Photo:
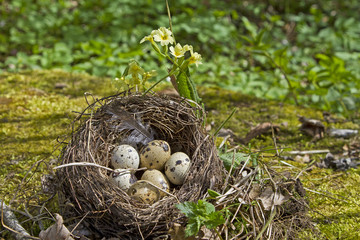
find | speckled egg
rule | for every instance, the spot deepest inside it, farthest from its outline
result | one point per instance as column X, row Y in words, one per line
column 158, row 179
column 155, row 154
column 177, row 167
column 123, row 178
column 144, row 192
column 125, row 156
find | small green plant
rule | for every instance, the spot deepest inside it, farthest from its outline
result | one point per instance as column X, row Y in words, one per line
column 234, row 159
column 200, row 214
column 133, row 76
column 179, row 56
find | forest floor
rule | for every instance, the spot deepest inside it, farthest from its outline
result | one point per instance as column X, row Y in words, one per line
column 37, row 108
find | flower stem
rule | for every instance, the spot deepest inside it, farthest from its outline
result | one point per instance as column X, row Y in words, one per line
column 162, row 79
column 170, row 24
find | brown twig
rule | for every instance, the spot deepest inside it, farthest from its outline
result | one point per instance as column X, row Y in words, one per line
column 9, row 221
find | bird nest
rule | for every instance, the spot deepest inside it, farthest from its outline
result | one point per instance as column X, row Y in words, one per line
column 107, row 210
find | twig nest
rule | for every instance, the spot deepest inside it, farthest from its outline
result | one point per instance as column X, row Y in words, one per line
column 137, row 121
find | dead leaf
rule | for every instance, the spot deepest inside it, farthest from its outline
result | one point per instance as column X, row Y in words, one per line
column 57, row 231
column 177, row 232
column 312, row 127
column 173, row 81
column 206, row 234
column 208, row 128
column 169, row 91
column 303, row 159
column 270, row 198
column 259, row 130
column 224, row 132
column 60, row 85
column 255, row 191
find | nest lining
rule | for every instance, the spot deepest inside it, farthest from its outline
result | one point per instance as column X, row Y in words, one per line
column 109, row 211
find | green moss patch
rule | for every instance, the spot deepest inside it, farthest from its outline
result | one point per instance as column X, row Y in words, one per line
column 34, row 113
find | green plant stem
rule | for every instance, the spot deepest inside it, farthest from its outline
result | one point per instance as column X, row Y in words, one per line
column 266, row 225
column 170, row 23
column 224, row 122
column 218, row 234
column 291, row 89
column 171, row 60
column 159, row 81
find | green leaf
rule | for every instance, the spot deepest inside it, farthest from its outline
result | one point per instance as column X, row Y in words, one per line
column 200, row 214
column 259, row 37
column 126, row 71
column 249, row 26
column 193, row 91
column 247, row 39
column 214, row 219
column 193, row 228
column 228, row 159
column 213, row 193
column 205, row 208
column 187, row 208
column 183, row 85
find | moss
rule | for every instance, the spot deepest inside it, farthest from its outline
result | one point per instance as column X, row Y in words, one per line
column 338, row 217
column 34, row 113
column 43, row 82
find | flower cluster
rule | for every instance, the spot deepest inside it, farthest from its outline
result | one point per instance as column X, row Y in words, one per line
column 134, row 75
column 165, row 37
column 163, row 42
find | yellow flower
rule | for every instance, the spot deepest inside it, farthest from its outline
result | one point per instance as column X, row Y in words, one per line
column 188, row 48
column 151, row 74
column 178, row 51
column 163, row 35
column 149, row 37
column 135, row 69
column 120, row 83
column 195, row 58
column 148, row 75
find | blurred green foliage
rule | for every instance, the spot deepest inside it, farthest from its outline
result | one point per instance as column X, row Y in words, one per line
column 305, row 52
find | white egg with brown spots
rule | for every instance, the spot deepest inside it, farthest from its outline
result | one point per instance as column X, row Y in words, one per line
column 144, row 192
column 158, row 179
column 177, row 167
column 125, row 156
column 155, row 154
column 123, row 178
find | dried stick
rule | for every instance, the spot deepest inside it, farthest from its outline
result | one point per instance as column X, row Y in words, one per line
column 83, row 164
column 9, row 221
column 308, row 152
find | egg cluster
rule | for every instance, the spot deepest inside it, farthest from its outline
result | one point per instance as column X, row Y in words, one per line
column 162, row 168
